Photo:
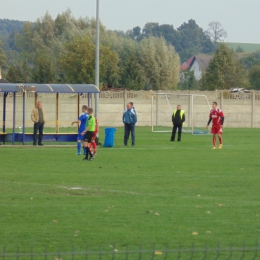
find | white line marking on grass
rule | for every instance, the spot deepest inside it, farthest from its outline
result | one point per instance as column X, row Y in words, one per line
column 104, row 190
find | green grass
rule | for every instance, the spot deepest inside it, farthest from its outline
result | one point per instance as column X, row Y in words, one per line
column 247, row 47
column 192, row 188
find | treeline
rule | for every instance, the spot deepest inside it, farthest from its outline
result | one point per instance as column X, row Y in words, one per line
column 188, row 39
column 63, row 50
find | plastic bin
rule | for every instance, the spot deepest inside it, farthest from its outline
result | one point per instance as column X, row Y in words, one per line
column 109, row 137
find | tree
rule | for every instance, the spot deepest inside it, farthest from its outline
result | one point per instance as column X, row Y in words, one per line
column 254, row 77
column 137, row 31
column 3, row 63
column 42, row 71
column 251, row 60
column 160, row 63
column 77, row 62
column 224, row 71
column 239, row 49
column 216, row 32
column 188, row 80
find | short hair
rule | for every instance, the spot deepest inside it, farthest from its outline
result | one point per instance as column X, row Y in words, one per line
column 178, row 105
column 131, row 103
column 215, row 103
column 85, row 107
column 90, row 110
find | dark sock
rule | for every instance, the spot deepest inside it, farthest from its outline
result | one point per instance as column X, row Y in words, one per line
column 89, row 152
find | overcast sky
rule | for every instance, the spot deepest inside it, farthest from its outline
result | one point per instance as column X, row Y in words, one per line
column 240, row 18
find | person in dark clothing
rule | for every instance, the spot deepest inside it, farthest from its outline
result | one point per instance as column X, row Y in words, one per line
column 39, row 119
column 129, row 120
column 178, row 118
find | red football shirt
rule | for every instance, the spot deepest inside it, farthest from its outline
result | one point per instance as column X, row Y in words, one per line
column 216, row 116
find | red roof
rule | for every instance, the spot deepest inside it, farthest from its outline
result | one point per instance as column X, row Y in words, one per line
column 185, row 65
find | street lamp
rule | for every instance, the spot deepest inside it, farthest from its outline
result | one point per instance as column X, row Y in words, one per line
column 97, row 59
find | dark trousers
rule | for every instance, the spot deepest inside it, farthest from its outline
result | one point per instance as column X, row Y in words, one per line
column 37, row 127
column 174, row 129
column 129, row 128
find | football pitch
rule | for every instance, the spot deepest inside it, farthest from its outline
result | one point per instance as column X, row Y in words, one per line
column 158, row 192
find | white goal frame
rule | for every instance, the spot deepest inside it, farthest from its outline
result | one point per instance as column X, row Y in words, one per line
column 171, row 108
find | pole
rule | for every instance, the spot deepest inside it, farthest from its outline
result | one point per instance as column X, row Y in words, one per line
column 4, row 111
column 97, row 59
column 24, row 108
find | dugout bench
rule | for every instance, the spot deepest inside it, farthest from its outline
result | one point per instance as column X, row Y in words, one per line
column 47, row 137
column 2, row 137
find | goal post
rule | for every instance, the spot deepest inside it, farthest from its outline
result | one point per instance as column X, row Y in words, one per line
column 196, row 109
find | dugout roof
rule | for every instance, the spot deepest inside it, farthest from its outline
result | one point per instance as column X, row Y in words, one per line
column 49, row 88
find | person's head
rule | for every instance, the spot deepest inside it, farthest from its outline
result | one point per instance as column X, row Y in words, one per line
column 178, row 107
column 39, row 104
column 90, row 110
column 128, row 105
column 214, row 105
column 131, row 104
column 84, row 108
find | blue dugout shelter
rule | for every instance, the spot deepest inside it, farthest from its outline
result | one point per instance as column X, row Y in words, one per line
column 23, row 88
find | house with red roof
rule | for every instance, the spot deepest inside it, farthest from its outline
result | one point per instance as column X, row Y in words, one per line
column 198, row 64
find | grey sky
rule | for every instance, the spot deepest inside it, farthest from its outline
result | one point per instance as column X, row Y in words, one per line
column 240, row 18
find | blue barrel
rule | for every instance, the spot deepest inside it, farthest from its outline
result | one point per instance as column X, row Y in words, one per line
column 109, row 137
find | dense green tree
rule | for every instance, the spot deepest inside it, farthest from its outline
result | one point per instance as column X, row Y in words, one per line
column 8, row 26
column 3, row 63
column 19, row 71
column 189, row 39
column 137, row 31
column 160, row 63
column 193, row 40
column 254, row 77
column 78, row 62
column 224, row 71
column 14, row 74
column 42, row 71
column 251, row 60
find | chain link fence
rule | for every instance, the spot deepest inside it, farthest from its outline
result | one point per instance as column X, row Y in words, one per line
column 193, row 253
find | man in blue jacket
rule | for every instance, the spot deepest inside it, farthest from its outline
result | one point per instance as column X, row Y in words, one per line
column 129, row 120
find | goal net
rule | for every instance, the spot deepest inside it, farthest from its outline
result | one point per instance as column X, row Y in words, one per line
column 196, row 109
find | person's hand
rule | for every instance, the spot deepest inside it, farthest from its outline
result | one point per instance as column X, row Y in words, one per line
column 207, row 126
column 82, row 133
column 72, row 123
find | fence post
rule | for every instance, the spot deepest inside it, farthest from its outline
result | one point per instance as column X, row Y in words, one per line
column 189, row 109
column 157, row 107
column 221, row 100
column 253, row 109
column 125, row 97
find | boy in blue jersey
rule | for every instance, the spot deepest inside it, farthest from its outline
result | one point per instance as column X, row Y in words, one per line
column 82, row 121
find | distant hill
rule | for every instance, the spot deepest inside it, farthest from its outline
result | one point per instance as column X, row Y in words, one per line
column 9, row 26
column 247, row 47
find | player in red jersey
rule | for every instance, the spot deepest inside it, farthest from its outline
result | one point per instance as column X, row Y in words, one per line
column 93, row 141
column 217, row 117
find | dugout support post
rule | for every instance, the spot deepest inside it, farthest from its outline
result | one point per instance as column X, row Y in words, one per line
column 57, row 113
column 4, row 110
column 14, row 108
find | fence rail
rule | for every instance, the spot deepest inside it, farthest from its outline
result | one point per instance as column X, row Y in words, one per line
column 247, row 253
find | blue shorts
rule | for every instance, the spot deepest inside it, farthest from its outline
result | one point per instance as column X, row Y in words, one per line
column 80, row 137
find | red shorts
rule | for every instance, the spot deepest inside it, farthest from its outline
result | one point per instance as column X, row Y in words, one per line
column 94, row 135
column 216, row 129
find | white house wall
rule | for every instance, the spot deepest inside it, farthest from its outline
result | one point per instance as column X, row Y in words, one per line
column 197, row 71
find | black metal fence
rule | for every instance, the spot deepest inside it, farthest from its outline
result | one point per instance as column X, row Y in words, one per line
column 193, row 253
